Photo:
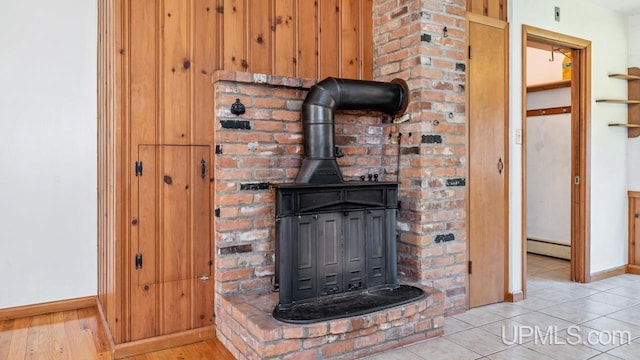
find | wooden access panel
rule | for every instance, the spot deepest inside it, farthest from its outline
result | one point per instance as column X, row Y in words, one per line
column 171, row 265
column 488, row 160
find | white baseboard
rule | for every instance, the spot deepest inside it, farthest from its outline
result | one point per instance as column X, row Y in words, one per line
column 549, row 248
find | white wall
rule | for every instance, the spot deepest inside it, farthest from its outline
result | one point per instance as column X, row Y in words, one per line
column 549, row 168
column 633, row 144
column 47, row 151
column 607, row 32
column 540, row 68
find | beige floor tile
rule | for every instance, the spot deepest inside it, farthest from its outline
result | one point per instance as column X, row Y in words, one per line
column 518, row 353
column 601, row 285
column 397, row 354
column 595, row 339
column 630, row 315
column 453, row 325
column 506, row 309
column 504, row 328
column 605, row 357
column 593, row 306
column 478, row 316
column 441, row 349
column 479, row 341
column 541, row 321
column 569, row 312
column 626, row 291
column 535, row 303
column 627, row 352
column 613, row 326
column 563, row 351
column 613, row 299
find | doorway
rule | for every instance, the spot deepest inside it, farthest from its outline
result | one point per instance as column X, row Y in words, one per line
column 579, row 51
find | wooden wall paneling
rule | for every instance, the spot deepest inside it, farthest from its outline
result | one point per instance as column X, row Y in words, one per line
column 205, row 50
column 202, row 250
column 350, row 44
column 476, row 7
column 234, row 38
column 496, row 9
column 175, row 311
column 307, row 29
column 285, row 54
column 259, row 21
column 366, row 40
column 176, row 72
column 143, row 306
column 329, row 52
column 634, row 229
column 142, row 74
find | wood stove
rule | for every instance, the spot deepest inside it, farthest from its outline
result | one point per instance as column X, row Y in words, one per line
column 336, row 240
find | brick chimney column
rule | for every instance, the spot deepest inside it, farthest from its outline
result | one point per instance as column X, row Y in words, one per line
column 423, row 42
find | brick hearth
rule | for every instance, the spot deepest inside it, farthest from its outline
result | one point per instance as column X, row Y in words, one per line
column 251, row 332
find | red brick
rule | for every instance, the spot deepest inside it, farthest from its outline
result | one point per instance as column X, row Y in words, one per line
column 369, row 340
column 336, row 348
column 234, row 274
column 303, row 355
column 277, row 348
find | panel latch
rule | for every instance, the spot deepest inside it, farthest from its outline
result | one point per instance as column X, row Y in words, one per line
column 138, row 261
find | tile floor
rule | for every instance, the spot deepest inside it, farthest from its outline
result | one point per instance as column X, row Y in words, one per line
column 558, row 320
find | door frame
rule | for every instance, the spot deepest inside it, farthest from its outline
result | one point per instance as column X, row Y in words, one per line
column 580, row 155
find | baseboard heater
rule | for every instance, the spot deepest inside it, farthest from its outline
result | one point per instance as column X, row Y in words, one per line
column 549, row 248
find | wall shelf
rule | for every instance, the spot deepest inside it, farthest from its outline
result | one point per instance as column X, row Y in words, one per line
column 625, row 125
column 633, row 101
column 618, row 101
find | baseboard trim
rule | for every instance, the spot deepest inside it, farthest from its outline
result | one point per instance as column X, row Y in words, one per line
column 144, row 346
column 515, row 296
column 47, row 308
column 633, row 269
column 601, row 275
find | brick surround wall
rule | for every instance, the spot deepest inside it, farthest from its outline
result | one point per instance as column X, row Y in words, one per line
column 411, row 43
column 263, row 146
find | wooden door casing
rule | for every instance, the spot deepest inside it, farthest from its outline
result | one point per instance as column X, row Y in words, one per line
column 488, row 160
column 172, row 288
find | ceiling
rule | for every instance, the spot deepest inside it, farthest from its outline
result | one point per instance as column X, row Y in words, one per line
column 627, row 7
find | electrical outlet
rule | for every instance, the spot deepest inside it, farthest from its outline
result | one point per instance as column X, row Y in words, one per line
column 518, row 136
column 556, row 12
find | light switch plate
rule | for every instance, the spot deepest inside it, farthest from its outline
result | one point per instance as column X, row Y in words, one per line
column 518, row 136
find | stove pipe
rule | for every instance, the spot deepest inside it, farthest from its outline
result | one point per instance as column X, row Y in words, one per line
column 319, row 165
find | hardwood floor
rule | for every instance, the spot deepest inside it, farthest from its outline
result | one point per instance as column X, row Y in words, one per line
column 76, row 334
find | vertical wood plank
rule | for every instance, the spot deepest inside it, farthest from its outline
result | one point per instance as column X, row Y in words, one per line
column 476, row 6
column 493, row 8
column 234, row 50
column 366, row 42
column 143, row 71
column 174, row 212
column 205, row 62
column 144, row 230
column 307, row 25
column 285, row 40
column 329, row 39
column 143, row 292
column 350, row 63
column 144, row 309
column 176, row 72
column 175, row 312
column 259, row 21
column 202, row 250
